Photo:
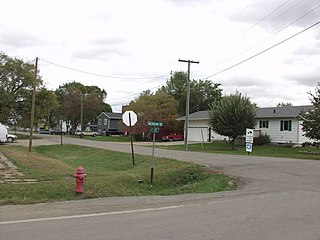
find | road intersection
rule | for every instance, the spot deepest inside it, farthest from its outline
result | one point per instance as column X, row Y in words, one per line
column 279, row 199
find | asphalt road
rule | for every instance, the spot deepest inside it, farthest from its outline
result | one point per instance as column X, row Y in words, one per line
column 279, row 199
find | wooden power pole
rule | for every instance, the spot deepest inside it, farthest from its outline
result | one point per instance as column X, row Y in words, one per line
column 33, row 104
column 187, row 104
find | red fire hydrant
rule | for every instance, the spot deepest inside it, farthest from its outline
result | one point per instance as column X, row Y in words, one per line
column 80, row 176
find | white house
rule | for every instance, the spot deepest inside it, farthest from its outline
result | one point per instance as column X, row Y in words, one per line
column 280, row 123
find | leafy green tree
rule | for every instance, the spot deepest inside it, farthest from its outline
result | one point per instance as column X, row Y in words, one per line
column 105, row 107
column 46, row 105
column 202, row 92
column 310, row 120
column 232, row 115
column 75, row 96
column 154, row 107
column 16, row 81
column 283, row 104
column 100, row 93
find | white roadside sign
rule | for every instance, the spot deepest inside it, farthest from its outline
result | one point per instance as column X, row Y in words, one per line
column 129, row 115
column 249, row 147
column 249, row 132
column 249, row 139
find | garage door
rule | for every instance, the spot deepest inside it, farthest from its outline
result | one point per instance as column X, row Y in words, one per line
column 198, row 134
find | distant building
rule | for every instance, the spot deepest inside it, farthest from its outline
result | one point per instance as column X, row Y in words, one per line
column 109, row 123
column 282, row 124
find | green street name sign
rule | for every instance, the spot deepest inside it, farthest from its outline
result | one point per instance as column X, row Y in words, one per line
column 154, row 130
column 155, row 124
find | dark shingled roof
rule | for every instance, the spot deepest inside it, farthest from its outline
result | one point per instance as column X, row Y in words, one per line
column 196, row 116
column 268, row 112
column 282, row 112
column 112, row 115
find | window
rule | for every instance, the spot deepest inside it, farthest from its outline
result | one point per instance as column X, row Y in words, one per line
column 99, row 121
column 285, row 125
column 264, row 124
column 105, row 121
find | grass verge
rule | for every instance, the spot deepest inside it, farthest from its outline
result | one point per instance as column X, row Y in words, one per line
column 115, row 138
column 108, row 174
column 258, row 150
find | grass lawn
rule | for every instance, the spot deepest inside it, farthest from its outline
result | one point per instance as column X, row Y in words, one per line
column 258, row 150
column 105, row 138
column 109, row 173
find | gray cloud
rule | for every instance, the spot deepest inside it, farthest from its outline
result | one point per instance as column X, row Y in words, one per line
column 308, row 50
column 307, row 79
column 100, row 53
column 19, row 39
column 281, row 16
column 245, row 81
column 189, row 2
column 107, row 41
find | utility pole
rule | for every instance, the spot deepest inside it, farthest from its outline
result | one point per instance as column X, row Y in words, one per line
column 187, row 103
column 33, row 104
column 81, row 115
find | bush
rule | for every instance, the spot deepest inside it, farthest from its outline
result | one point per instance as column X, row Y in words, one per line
column 306, row 144
column 263, row 139
column 141, row 137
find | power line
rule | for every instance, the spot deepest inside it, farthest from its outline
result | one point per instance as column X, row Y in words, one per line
column 255, row 55
column 245, row 8
column 99, row 75
column 246, row 30
column 134, row 94
column 290, row 24
column 267, row 49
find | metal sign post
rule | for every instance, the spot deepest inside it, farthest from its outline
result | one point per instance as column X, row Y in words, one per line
column 129, row 118
column 153, row 142
column 154, row 128
column 132, row 151
column 249, row 140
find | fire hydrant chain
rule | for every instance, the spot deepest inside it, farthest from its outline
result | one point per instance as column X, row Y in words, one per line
column 80, row 177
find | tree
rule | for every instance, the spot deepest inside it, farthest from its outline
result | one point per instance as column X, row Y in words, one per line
column 202, row 92
column 283, row 104
column 74, row 97
column 16, row 81
column 46, row 106
column 310, row 120
column 232, row 115
column 154, row 107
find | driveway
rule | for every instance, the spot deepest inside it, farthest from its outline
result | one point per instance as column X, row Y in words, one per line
column 280, row 199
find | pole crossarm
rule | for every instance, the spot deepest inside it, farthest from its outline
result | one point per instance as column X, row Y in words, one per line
column 188, row 61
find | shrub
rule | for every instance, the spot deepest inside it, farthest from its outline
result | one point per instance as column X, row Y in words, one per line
column 141, row 137
column 306, row 144
column 261, row 140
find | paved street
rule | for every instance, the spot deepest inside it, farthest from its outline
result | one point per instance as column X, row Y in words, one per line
column 279, row 199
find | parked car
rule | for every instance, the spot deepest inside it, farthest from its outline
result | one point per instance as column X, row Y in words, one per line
column 86, row 133
column 173, row 137
column 43, row 131
column 57, row 132
column 111, row 132
column 11, row 138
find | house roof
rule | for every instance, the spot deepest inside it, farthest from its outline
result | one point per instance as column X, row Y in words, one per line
column 268, row 112
column 200, row 115
column 111, row 115
column 282, row 112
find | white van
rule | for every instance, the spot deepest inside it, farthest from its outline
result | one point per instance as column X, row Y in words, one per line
column 3, row 133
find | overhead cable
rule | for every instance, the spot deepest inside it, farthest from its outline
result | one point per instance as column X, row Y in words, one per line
column 290, row 24
column 100, row 75
column 265, row 50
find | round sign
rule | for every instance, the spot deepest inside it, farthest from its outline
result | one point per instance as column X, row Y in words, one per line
column 129, row 115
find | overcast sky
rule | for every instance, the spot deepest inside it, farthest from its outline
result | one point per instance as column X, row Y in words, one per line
column 131, row 46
